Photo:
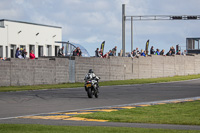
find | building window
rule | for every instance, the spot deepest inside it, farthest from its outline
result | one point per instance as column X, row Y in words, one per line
column 32, row 47
column 1, row 51
column 6, row 51
column 40, row 51
column 56, row 50
column 22, row 46
column 49, row 49
column 12, row 50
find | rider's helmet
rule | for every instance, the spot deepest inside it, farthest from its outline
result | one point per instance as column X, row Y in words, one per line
column 90, row 71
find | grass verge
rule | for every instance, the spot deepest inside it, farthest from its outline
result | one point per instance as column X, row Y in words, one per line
column 107, row 83
column 22, row 128
column 186, row 113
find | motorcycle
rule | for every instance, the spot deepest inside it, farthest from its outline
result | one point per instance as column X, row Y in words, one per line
column 91, row 86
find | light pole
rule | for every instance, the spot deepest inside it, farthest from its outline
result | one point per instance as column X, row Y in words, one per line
column 147, row 18
column 7, row 41
column 131, row 34
column 123, row 29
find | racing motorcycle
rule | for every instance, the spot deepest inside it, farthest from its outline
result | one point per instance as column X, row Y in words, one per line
column 92, row 87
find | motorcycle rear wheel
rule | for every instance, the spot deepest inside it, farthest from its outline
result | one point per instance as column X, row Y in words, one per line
column 96, row 95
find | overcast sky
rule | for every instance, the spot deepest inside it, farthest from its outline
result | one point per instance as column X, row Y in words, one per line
column 89, row 22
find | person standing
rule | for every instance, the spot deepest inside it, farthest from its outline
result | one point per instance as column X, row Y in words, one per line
column 24, row 53
column 184, row 52
column 158, row 52
column 179, row 52
column 169, row 53
column 152, row 51
column 60, row 52
column 110, row 53
column 114, row 50
column 173, row 50
column 78, row 51
column 17, row 53
column 142, row 53
column 75, row 52
column 32, row 56
column 162, row 52
column 97, row 53
column 101, row 53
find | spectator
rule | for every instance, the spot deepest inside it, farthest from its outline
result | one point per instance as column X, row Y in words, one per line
column 32, row 56
column 101, row 53
column 114, row 53
column 145, row 52
column 152, row 51
column 142, row 53
column 75, row 52
column 173, row 50
column 184, row 52
column 158, row 52
column 60, row 52
column 17, row 53
column 137, row 52
column 169, row 53
column 110, row 53
column 20, row 53
column 24, row 53
column 162, row 52
column 79, row 53
column 134, row 53
column 130, row 54
column 1, row 58
column 97, row 53
column 106, row 55
column 179, row 52
column 114, row 50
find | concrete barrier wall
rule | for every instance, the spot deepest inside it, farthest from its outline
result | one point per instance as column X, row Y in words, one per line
column 19, row 72
column 120, row 68
column 45, row 71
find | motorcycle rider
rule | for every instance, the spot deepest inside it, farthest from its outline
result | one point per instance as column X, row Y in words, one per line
column 91, row 76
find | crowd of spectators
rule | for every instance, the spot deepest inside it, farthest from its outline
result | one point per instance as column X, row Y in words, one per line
column 137, row 53
column 21, row 54
column 77, row 52
column 99, row 53
column 3, row 58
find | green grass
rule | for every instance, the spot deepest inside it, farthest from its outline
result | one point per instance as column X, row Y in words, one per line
column 107, row 83
column 40, row 87
column 150, row 80
column 22, row 128
column 186, row 113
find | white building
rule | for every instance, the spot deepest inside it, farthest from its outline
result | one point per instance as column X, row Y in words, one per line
column 37, row 37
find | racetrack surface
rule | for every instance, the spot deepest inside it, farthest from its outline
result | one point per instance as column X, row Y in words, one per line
column 23, row 103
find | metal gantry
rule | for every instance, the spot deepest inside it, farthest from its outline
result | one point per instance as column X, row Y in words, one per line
column 147, row 18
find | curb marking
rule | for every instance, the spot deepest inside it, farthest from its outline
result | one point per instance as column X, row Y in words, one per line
column 68, row 115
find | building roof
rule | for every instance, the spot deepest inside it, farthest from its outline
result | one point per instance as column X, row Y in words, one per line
column 29, row 23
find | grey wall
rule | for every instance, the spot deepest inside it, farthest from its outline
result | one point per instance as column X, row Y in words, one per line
column 44, row 71
column 120, row 68
column 33, row 72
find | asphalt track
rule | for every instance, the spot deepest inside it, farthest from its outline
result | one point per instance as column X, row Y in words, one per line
column 14, row 104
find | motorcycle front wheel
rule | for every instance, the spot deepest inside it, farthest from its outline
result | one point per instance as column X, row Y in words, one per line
column 89, row 92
